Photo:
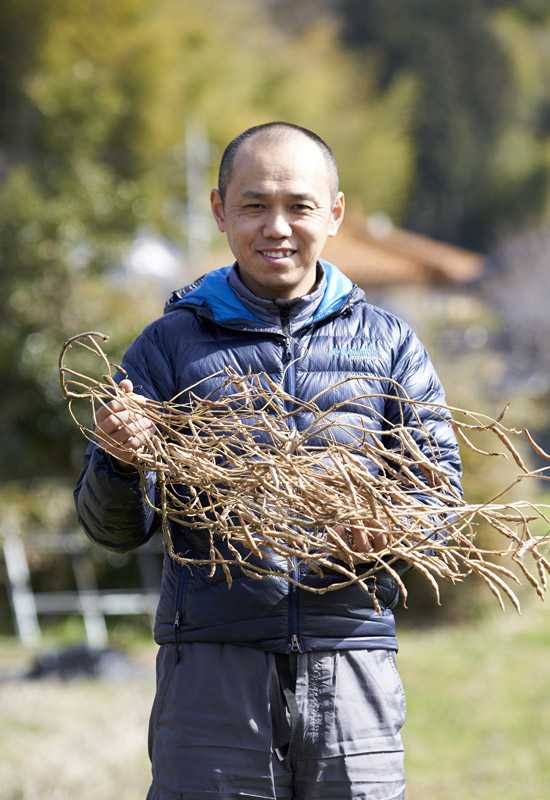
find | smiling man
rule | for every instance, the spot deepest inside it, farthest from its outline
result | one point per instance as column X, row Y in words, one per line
column 266, row 690
column 277, row 203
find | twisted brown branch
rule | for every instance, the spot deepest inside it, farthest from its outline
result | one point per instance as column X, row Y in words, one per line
column 274, row 499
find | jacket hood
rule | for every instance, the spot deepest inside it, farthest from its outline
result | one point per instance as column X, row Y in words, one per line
column 213, row 293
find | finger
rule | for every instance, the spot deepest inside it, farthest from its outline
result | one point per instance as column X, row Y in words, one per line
column 349, row 538
column 362, row 542
column 106, row 415
column 122, row 430
column 126, row 385
column 120, row 445
column 111, row 419
column 339, row 534
column 379, row 540
column 115, row 407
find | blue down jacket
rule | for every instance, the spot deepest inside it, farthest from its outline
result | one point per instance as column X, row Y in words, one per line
column 209, row 327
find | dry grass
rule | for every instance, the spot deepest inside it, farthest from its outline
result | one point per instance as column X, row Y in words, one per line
column 86, row 739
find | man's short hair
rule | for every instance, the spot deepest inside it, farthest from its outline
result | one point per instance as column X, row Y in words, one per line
column 275, row 131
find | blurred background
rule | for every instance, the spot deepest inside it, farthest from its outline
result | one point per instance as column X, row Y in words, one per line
column 113, row 118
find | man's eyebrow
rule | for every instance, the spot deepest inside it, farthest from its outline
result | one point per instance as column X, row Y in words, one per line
column 253, row 194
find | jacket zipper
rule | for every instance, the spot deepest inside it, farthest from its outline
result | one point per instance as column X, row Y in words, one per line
column 176, row 640
column 177, row 618
column 293, row 595
column 293, row 614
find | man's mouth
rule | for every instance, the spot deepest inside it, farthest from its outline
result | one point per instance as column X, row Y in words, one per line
column 277, row 253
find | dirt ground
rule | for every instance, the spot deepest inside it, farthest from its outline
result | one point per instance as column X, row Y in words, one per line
column 84, row 739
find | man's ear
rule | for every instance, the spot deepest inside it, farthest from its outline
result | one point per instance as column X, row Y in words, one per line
column 337, row 214
column 217, row 209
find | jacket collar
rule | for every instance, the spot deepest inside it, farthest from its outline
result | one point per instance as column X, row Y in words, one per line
column 299, row 310
column 225, row 299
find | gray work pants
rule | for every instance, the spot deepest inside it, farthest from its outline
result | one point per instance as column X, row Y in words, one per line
column 222, row 727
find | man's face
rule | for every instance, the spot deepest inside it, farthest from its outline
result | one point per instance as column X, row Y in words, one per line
column 278, row 212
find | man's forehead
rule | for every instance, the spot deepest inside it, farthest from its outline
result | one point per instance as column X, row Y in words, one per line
column 281, row 155
column 263, row 192
column 293, row 166
column 271, row 140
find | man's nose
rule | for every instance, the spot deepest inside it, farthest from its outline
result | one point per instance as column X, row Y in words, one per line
column 277, row 226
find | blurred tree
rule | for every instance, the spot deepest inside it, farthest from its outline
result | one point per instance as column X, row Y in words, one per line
column 534, row 11
column 97, row 99
column 517, row 198
column 463, row 100
column 481, row 155
column 63, row 213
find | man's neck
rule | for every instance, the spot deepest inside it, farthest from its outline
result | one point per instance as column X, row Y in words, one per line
column 269, row 309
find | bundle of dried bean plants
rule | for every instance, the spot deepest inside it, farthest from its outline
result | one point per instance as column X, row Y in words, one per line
column 261, row 486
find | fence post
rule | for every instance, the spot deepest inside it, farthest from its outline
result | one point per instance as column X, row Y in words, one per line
column 90, row 601
column 20, row 594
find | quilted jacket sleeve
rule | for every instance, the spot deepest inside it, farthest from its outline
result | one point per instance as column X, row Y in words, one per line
column 426, row 419
column 109, row 502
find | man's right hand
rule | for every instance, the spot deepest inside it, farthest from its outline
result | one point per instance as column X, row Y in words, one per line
column 366, row 537
column 120, row 432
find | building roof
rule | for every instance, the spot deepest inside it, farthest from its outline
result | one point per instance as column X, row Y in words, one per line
column 374, row 253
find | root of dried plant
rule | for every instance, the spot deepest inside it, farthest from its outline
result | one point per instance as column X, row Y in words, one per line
column 256, row 483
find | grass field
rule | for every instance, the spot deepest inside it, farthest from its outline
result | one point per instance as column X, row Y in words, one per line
column 478, row 697
column 478, row 723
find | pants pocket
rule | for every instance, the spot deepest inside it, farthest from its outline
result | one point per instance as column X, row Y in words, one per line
column 166, row 667
column 392, row 658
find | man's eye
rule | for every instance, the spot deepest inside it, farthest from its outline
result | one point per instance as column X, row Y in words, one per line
column 302, row 207
column 254, row 205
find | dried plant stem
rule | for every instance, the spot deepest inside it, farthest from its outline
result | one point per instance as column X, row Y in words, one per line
column 266, row 498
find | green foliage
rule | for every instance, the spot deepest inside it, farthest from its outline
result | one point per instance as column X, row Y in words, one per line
column 100, row 97
column 520, row 162
column 481, row 157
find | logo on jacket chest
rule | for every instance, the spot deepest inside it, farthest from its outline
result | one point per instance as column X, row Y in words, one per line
column 364, row 351
column 337, row 355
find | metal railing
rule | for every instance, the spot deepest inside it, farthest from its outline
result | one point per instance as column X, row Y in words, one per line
column 87, row 600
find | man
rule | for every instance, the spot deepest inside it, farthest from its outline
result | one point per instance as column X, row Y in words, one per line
column 265, row 690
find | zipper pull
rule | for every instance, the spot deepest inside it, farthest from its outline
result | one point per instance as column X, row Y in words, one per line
column 288, row 351
column 294, row 646
column 285, row 325
column 176, row 628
